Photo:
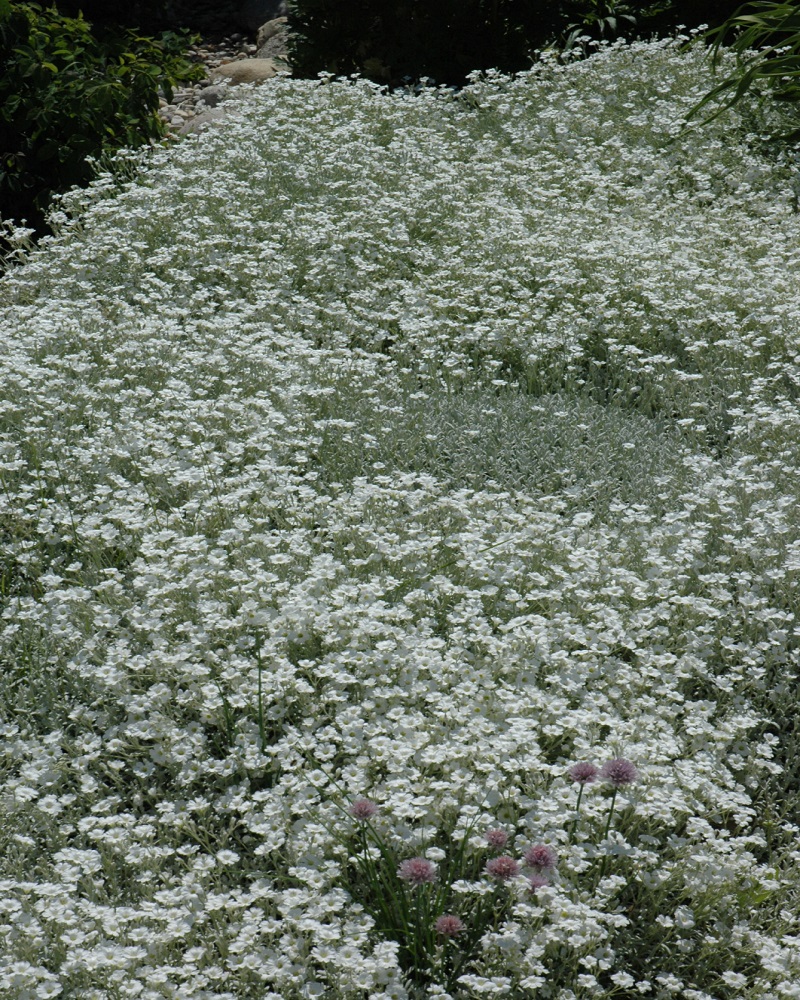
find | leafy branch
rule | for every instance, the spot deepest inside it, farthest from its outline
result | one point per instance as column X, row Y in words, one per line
column 766, row 40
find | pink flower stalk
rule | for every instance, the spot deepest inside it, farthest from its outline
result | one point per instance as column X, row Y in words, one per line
column 417, row 871
column 363, row 809
column 502, row 868
column 536, row 882
column 496, row 839
column 619, row 772
column 541, row 857
column 583, row 773
column 449, row 926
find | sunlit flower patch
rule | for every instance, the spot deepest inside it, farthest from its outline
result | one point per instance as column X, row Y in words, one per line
column 399, row 554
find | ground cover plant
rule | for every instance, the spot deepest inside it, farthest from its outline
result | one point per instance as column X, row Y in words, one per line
column 399, row 552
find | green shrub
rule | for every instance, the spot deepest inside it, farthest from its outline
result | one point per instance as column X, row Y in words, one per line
column 766, row 40
column 388, row 42
column 394, row 42
column 66, row 94
column 663, row 17
column 607, row 20
column 146, row 15
column 153, row 16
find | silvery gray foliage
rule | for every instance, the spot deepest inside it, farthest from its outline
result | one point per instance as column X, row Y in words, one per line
column 240, row 585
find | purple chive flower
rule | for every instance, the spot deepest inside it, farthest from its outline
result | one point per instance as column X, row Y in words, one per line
column 536, row 882
column 619, row 772
column 496, row 839
column 417, row 871
column 541, row 857
column 448, row 925
column 363, row 809
column 583, row 773
column 502, row 868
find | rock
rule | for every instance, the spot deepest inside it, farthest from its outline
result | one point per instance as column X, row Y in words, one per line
column 226, row 63
column 273, row 39
column 201, row 121
column 248, row 70
column 254, row 13
column 211, row 96
column 269, row 30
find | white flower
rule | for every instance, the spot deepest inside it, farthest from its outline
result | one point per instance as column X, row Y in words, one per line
column 227, row 857
column 734, row 979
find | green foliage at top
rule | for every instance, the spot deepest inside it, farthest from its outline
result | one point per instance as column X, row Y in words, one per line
column 153, row 16
column 67, row 95
column 766, row 40
column 445, row 41
column 392, row 43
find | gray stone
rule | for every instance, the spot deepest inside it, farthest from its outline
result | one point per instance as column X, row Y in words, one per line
column 273, row 39
column 248, row 70
column 268, row 30
column 211, row 96
column 202, row 120
column 254, row 13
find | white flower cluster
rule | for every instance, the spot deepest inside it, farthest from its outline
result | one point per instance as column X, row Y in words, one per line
column 414, row 447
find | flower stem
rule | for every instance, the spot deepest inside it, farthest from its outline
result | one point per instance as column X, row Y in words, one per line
column 260, row 693
column 577, row 812
column 610, row 813
column 605, row 832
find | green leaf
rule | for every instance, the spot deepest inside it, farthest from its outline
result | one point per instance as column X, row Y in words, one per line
column 47, row 150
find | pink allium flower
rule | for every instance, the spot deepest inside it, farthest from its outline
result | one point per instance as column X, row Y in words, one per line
column 496, row 839
column 448, row 925
column 363, row 809
column 417, row 871
column 541, row 857
column 502, row 868
column 619, row 772
column 536, row 882
column 583, row 773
